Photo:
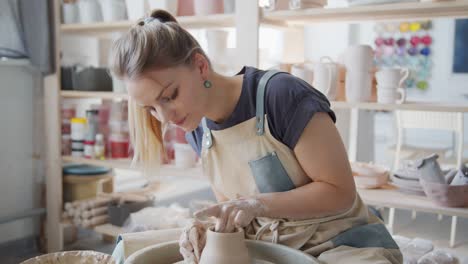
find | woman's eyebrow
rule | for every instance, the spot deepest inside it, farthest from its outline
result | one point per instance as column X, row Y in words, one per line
column 162, row 91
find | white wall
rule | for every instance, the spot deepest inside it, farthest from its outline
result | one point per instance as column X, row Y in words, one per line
column 21, row 129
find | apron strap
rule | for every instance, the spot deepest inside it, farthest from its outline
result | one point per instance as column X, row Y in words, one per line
column 207, row 140
column 260, row 106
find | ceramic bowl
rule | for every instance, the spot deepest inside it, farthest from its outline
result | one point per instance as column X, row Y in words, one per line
column 369, row 176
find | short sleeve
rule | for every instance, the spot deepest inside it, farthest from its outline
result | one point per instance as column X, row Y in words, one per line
column 290, row 104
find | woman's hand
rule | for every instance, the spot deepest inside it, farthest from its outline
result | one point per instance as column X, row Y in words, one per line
column 234, row 214
column 192, row 241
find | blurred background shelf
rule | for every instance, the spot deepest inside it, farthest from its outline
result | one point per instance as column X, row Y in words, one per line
column 393, row 11
column 111, row 163
column 190, row 22
column 415, row 106
column 100, row 95
column 165, row 170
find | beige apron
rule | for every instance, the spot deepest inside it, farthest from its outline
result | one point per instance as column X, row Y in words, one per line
column 238, row 161
column 246, row 160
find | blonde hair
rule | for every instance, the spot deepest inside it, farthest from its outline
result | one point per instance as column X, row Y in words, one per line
column 155, row 42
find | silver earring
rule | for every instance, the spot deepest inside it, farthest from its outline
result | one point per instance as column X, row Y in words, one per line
column 207, row 84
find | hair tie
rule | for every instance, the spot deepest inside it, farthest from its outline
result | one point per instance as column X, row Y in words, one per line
column 148, row 19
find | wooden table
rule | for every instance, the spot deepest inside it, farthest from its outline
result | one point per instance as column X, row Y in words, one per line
column 389, row 196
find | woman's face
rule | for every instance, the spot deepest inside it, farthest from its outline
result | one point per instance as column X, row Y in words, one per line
column 172, row 95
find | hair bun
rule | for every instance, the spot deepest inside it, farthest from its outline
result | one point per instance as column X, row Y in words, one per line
column 163, row 16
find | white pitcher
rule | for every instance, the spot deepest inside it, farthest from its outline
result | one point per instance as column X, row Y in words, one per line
column 392, row 77
column 358, row 60
column 326, row 77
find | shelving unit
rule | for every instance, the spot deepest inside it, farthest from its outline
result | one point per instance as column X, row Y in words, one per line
column 246, row 19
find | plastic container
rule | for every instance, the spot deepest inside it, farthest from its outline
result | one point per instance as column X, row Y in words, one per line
column 185, row 156
column 119, row 146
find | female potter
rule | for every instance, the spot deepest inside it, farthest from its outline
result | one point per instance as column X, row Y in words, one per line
column 268, row 145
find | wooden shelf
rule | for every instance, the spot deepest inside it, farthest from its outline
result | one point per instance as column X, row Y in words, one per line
column 415, row 106
column 165, row 170
column 389, row 196
column 116, row 163
column 100, row 95
column 211, row 21
column 394, row 11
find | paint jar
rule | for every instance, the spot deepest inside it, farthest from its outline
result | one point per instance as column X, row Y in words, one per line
column 119, row 146
column 78, row 130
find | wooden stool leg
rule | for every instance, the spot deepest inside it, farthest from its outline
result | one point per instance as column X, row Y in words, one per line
column 453, row 231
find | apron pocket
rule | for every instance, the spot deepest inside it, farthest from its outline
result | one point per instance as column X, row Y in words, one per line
column 270, row 175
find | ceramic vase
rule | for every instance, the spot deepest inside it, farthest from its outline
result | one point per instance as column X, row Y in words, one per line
column 225, row 248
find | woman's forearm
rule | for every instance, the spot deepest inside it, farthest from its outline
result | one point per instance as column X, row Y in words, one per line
column 316, row 199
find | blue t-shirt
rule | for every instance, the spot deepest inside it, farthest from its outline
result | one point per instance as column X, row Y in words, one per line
column 290, row 103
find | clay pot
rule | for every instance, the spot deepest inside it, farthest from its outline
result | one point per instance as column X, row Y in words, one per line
column 225, row 248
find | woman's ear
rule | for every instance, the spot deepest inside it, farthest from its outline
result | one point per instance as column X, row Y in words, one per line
column 201, row 65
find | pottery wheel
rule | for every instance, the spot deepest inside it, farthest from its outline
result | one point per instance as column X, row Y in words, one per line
column 261, row 253
column 255, row 261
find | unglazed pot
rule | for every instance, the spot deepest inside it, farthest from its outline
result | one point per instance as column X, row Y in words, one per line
column 225, row 248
